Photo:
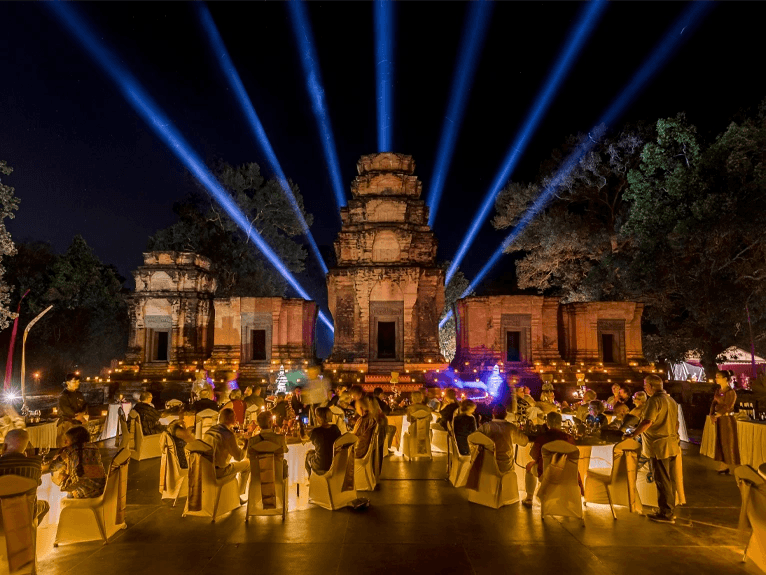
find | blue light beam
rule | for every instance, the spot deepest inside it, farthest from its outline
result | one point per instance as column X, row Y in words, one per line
column 384, row 70
column 470, row 48
column 310, row 62
column 662, row 52
column 589, row 17
column 150, row 112
column 259, row 133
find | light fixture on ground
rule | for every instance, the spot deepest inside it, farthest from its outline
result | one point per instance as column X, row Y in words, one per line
column 254, row 122
column 579, row 34
column 143, row 104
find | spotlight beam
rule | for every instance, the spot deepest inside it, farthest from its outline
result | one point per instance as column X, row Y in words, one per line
column 384, row 70
column 310, row 62
column 589, row 17
column 254, row 122
column 470, row 48
column 685, row 23
column 151, row 113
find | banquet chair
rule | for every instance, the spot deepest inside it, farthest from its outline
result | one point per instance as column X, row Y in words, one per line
column 203, row 421
column 559, row 491
column 459, row 465
column 173, row 479
column 144, row 446
column 268, row 481
column 97, row 517
column 439, row 439
column 752, row 488
column 484, row 482
column 616, row 485
column 251, row 413
column 208, row 496
column 338, row 418
column 417, row 441
column 365, row 478
column 762, row 470
column 647, row 489
column 18, row 525
column 125, row 437
column 173, row 404
column 336, row 488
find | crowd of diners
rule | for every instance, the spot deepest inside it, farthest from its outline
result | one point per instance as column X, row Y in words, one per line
column 650, row 415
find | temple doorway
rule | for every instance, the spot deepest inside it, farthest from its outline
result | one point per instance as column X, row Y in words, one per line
column 386, row 340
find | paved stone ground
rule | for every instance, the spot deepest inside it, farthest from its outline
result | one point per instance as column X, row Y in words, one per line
column 418, row 523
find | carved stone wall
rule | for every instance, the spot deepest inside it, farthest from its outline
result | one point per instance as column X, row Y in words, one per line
column 584, row 324
column 386, row 257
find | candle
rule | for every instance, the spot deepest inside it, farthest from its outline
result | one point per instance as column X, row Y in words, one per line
column 104, row 414
column 55, row 410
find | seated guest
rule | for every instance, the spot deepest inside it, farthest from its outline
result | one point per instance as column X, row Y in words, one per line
column 72, row 405
column 524, row 401
column 299, row 408
column 417, row 405
column 356, row 392
column 535, row 467
column 205, row 401
column 319, row 459
column 14, row 461
column 238, row 405
column 337, row 392
column 581, row 409
column 639, row 402
column 504, row 435
column 150, row 417
column 547, row 401
column 364, row 428
column 180, row 436
column 615, row 397
column 432, row 401
column 225, row 447
column 464, row 424
column 77, row 468
column 252, row 398
column 280, row 409
column 624, row 396
column 596, row 415
column 623, row 420
column 377, row 393
column 266, row 433
column 448, row 408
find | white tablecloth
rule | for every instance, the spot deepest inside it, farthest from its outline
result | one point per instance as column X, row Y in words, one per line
column 112, row 423
column 42, row 435
column 750, row 435
column 46, row 531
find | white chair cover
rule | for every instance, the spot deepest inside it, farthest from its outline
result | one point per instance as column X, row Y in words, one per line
column 204, row 420
column 208, row 496
column 559, row 491
column 267, row 468
column 439, row 439
column 484, row 482
column 752, row 487
column 98, row 517
column 126, row 439
column 365, row 478
column 335, row 489
column 143, row 446
column 18, row 525
column 762, row 470
column 338, row 418
column 459, row 465
column 647, row 491
column 616, row 485
column 251, row 413
column 417, row 440
column 173, row 479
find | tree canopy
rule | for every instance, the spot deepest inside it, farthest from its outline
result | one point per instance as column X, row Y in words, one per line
column 448, row 332
column 9, row 203
column 204, row 228
column 660, row 216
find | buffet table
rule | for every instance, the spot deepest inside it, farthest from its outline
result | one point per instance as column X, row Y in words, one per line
column 751, row 436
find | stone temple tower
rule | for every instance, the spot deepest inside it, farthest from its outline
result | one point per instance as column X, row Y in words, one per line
column 385, row 293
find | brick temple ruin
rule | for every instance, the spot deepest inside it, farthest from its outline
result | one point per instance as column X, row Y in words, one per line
column 386, row 296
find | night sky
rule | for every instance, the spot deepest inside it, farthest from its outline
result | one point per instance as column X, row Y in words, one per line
column 86, row 163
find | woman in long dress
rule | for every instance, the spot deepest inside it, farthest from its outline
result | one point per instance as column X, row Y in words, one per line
column 726, row 442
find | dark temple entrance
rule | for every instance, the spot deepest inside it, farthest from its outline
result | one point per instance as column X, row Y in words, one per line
column 386, row 340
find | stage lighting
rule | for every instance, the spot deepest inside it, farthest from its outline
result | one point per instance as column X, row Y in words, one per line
column 310, row 61
column 142, row 103
column 662, row 52
column 384, row 70
column 579, row 34
column 470, row 47
column 219, row 49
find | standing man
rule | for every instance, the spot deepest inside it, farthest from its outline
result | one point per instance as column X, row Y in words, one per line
column 73, row 409
column 661, row 442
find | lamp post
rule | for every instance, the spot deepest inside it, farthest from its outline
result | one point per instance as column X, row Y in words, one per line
column 24, row 408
